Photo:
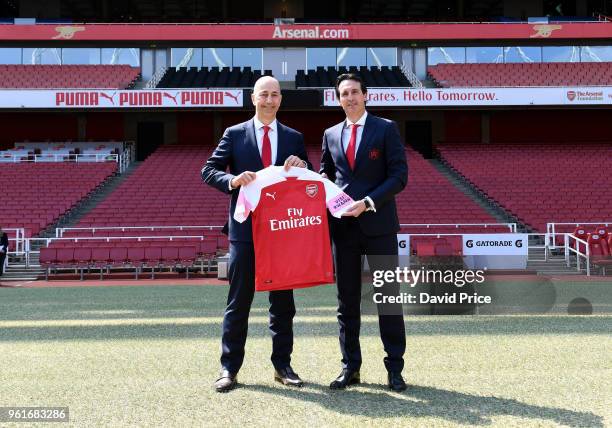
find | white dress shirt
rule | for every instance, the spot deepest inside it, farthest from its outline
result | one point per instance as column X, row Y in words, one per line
column 346, row 132
column 346, row 138
column 272, row 134
column 259, row 134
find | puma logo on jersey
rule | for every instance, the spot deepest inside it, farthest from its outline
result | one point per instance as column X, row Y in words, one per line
column 272, row 195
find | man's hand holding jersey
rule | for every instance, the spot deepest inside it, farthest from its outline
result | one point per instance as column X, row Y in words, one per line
column 242, row 179
column 294, row 161
column 356, row 209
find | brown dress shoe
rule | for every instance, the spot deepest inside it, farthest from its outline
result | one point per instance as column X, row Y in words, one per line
column 226, row 382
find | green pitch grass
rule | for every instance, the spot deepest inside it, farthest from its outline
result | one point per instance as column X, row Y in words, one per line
column 147, row 356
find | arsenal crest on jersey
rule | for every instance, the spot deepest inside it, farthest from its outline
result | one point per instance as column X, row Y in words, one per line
column 312, row 190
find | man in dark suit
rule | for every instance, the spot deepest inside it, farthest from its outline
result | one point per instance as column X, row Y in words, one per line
column 4, row 244
column 364, row 156
column 245, row 148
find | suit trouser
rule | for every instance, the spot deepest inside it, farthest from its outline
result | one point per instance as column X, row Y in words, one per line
column 2, row 257
column 350, row 244
column 241, row 275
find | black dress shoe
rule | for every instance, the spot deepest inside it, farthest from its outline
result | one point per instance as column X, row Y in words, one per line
column 346, row 378
column 287, row 376
column 226, row 382
column 395, row 381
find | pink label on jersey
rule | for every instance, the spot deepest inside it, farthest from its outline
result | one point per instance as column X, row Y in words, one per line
column 339, row 203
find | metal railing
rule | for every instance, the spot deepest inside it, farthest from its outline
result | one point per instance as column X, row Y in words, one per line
column 412, row 78
column 511, row 226
column 543, row 246
column 157, row 76
column 552, row 232
column 19, row 240
column 572, row 245
column 59, row 232
column 61, row 157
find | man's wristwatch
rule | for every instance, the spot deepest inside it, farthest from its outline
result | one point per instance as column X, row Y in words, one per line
column 367, row 203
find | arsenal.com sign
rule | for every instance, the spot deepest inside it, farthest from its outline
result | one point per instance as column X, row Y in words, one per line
column 110, row 98
column 467, row 97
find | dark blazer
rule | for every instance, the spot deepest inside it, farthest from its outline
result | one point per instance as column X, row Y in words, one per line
column 381, row 171
column 238, row 151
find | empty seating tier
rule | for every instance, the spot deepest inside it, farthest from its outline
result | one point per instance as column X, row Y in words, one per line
column 213, row 77
column 35, row 195
column 68, row 76
column 539, row 183
column 383, row 77
column 522, row 74
column 166, row 190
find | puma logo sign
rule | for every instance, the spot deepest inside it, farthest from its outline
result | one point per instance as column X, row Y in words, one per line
column 232, row 96
column 272, row 195
column 110, row 98
column 173, row 98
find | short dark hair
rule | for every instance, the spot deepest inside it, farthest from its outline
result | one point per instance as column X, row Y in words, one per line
column 350, row 76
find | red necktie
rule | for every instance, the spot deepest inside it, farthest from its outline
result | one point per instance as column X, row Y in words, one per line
column 266, row 148
column 350, row 150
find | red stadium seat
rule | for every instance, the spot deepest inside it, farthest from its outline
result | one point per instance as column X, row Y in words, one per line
column 48, row 260
column 136, row 257
column 187, row 257
column 522, row 74
column 599, row 251
column 42, row 76
column 153, row 259
column 65, row 257
column 82, row 259
column 100, row 258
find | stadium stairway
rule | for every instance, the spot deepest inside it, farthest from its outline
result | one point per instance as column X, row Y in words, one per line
column 498, row 213
column 18, row 271
column 91, row 202
column 553, row 265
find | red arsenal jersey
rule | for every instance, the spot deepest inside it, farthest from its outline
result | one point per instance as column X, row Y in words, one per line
column 290, row 228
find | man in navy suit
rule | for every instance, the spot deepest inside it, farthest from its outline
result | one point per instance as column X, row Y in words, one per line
column 245, row 148
column 364, row 156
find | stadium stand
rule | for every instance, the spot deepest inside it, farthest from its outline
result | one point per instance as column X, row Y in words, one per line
column 213, row 77
column 68, row 76
column 373, row 77
column 522, row 74
column 166, row 193
column 62, row 151
column 541, row 182
column 166, row 190
column 35, row 195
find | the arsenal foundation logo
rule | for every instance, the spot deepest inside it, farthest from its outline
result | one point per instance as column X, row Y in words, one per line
column 312, row 190
column 571, row 95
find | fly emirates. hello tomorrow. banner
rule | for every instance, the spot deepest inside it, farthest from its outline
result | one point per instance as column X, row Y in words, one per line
column 467, row 97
